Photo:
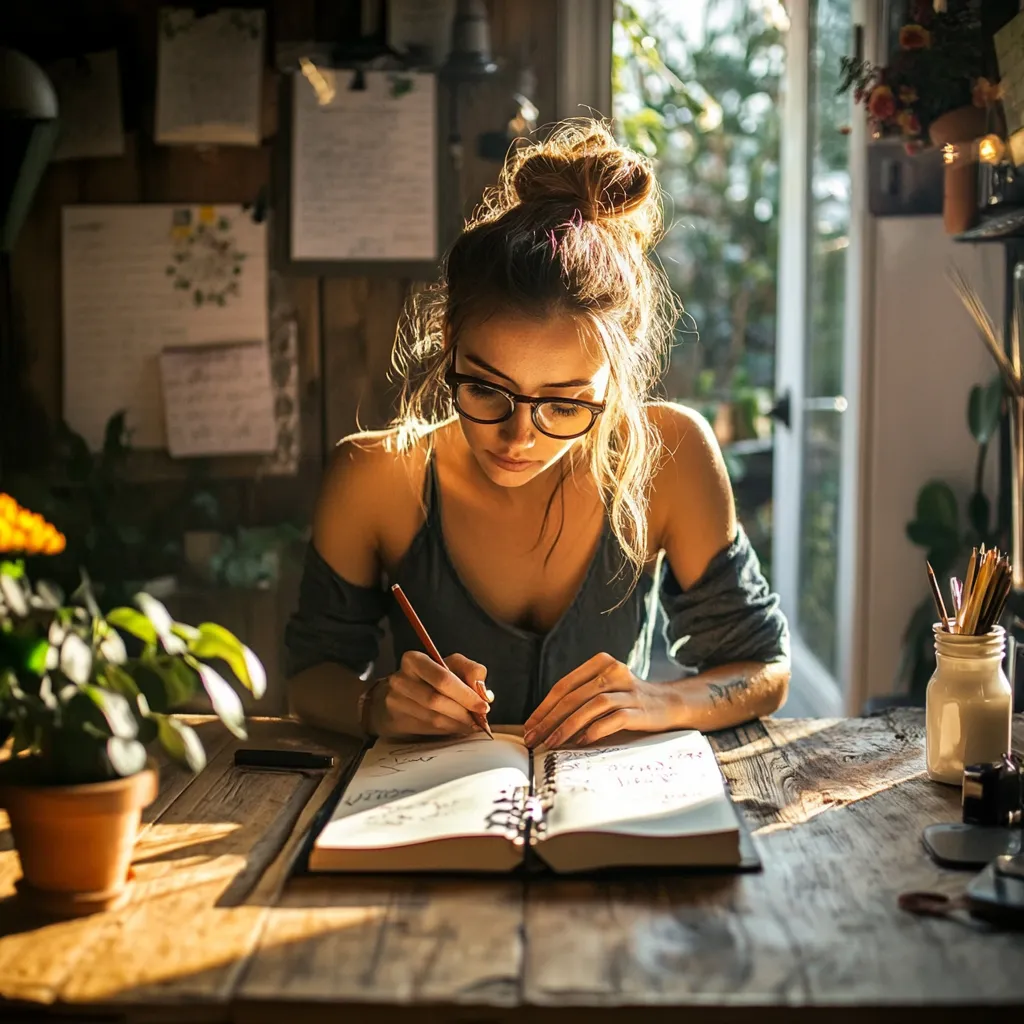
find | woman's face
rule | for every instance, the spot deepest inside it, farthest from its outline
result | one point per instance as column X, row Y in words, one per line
column 535, row 357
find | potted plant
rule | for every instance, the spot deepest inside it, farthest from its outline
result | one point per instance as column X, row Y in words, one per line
column 932, row 91
column 82, row 695
column 946, row 539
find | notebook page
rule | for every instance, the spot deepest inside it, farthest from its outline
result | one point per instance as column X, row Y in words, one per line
column 662, row 785
column 407, row 793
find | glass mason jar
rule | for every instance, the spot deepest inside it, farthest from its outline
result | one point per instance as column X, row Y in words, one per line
column 968, row 703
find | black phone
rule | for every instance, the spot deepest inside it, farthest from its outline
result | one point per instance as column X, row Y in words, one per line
column 958, row 845
column 283, row 760
column 997, row 894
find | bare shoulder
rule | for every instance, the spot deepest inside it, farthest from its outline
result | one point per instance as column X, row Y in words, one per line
column 368, row 498
column 691, row 496
column 682, row 430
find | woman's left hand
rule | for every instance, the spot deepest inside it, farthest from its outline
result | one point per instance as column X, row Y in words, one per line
column 600, row 698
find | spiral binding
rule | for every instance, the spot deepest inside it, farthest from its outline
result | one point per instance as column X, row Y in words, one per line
column 522, row 816
column 510, row 814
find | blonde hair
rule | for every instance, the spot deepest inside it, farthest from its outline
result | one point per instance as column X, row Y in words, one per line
column 567, row 230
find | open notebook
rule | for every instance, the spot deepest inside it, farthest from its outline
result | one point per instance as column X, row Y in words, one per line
column 476, row 804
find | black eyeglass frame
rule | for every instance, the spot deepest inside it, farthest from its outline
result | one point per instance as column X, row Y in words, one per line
column 453, row 380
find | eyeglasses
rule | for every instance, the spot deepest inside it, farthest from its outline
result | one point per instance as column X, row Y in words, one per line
column 483, row 402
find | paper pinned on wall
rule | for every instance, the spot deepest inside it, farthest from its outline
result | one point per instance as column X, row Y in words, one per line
column 421, row 26
column 89, row 103
column 218, row 400
column 1009, row 46
column 209, row 76
column 138, row 279
column 364, row 169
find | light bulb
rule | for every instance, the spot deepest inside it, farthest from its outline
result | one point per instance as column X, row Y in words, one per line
column 991, row 149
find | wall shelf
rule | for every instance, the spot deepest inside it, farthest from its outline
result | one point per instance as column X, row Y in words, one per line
column 997, row 227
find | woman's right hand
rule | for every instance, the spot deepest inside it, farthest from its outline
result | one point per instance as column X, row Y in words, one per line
column 424, row 699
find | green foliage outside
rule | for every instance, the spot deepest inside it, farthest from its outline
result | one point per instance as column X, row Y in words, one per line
column 702, row 99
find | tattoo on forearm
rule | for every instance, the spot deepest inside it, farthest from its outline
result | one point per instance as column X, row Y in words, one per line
column 725, row 693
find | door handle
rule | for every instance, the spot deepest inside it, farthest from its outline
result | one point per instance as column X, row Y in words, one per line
column 781, row 411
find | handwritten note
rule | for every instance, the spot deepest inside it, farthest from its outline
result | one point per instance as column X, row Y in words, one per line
column 209, row 76
column 89, row 98
column 1009, row 46
column 406, row 793
column 139, row 279
column 656, row 784
column 364, row 169
column 218, row 400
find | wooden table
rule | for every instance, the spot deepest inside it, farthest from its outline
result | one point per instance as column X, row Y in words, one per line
column 216, row 931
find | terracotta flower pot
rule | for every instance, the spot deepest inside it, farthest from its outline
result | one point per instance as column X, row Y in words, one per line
column 75, row 842
column 957, row 128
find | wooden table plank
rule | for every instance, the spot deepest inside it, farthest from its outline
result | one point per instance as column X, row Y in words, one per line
column 837, row 807
column 206, row 871
column 402, row 941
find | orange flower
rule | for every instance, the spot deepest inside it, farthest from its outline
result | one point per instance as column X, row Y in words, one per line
column 986, row 93
column 914, row 37
column 881, row 103
column 908, row 94
column 26, row 533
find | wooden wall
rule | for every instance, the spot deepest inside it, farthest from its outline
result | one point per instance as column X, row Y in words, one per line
column 346, row 324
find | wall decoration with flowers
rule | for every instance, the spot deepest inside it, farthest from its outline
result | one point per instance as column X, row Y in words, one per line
column 206, row 261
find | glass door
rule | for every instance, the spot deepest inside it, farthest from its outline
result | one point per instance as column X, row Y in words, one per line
column 818, row 355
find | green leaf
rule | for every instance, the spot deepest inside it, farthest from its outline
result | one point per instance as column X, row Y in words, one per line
column 978, row 513
column 111, row 647
column 133, row 622
column 178, row 680
column 984, row 409
column 16, row 570
column 943, row 559
column 116, row 710
column 215, row 641
column 932, row 535
column 76, row 659
column 225, row 701
column 127, row 756
column 155, row 612
column 936, row 506
column 181, row 741
column 120, row 681
column 186, row 632
column 13, row 595
column 35, row 656
column 917, row 658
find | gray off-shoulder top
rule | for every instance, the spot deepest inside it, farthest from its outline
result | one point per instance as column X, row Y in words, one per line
column 728, row 615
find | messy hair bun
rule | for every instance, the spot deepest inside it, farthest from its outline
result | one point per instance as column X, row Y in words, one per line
column 566, row 231
column 585, row 170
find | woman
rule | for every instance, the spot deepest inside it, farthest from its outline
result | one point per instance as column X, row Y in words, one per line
column 529, row 494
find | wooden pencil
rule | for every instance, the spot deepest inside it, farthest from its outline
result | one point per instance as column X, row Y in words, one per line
column 968, row 587
column 937, row 595
column 435, row 654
